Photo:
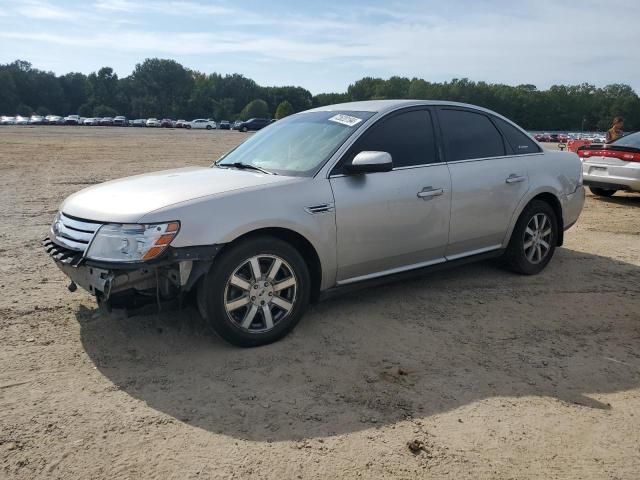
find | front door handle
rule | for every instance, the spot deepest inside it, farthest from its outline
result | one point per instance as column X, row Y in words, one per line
column 513, row 178
column 428, row 192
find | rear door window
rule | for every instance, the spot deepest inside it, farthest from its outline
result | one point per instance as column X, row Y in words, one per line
column 520, row 143
column 469, row 135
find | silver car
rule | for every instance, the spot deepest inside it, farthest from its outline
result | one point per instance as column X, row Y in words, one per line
column 317, row 202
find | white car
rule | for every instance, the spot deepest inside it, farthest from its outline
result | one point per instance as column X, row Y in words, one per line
column 613, row 166
column 201, row 123
column 36, row 120
column 72, row 120
column 4, row 120
column 20, row 120
column 153, row 122
column 91, row 121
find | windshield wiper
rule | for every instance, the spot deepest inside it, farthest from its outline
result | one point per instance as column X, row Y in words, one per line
column 246, row 166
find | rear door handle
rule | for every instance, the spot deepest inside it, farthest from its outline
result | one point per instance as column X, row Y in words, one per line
column 428, row 192
column 513, row 178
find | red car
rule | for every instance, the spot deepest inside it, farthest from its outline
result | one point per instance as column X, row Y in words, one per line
column 574, row 144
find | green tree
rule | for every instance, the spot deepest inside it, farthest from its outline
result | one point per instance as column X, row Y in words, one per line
column 284, row 110
column 164, row 88
column 165, row 84
column 85, row 110
column 104, row 111
column 104, row 86
column 75, row 89
column 24, row 110
column 255, row 109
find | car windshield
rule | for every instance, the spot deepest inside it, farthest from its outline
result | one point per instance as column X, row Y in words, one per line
column 297, row 145
column 632, row 141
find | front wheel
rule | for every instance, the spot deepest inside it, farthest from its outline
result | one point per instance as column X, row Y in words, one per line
column 188, row 127
column 602, row 192
column 209, row 127
column 244, row 129
column 256, row 292
column 533, row 240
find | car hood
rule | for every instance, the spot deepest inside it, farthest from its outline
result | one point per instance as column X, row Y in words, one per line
column 128, row 199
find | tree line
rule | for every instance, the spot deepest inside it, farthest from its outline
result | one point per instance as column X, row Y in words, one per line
column 165, row 89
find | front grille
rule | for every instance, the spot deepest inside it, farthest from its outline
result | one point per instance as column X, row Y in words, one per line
column 73, row 233
column 62, row 254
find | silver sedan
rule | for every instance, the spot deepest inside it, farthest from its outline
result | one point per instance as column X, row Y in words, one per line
column 317, row 202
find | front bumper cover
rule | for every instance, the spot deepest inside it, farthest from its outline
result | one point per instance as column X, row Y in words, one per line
column 179, row 267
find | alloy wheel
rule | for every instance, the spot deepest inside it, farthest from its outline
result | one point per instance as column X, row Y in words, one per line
column 537, row 238
column 260, row 293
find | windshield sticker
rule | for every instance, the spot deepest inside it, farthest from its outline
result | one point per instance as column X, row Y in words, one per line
column 347, row 120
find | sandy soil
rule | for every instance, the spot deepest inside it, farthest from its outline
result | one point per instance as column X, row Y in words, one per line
column 487, row 374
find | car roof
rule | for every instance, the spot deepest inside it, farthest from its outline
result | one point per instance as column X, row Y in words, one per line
column 382, row 106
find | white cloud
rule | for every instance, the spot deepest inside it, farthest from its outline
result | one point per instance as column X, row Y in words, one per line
column 41, row 10
column 527, row 42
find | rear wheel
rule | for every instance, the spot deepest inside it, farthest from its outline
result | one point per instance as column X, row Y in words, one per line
column 602, row 192
column 534, row 239
column 256, row 292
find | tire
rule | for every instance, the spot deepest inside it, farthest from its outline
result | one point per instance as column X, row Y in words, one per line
column 188, row 127
column 250, row 313
column 602, row 192
column 208, row 127
column 244, row 129
column 527, row 253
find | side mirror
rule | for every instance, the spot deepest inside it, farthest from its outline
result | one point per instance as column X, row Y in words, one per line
column 370, row 162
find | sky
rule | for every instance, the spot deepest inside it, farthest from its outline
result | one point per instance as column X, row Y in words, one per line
column 324, row 46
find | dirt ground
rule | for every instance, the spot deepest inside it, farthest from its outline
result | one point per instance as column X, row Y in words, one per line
column 485, row 373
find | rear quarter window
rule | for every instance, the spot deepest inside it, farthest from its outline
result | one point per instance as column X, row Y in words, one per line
column 520, row 143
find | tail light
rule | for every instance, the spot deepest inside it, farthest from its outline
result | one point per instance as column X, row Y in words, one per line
column 620, row 155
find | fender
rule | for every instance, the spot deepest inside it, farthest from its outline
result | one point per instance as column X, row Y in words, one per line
column 530, row 195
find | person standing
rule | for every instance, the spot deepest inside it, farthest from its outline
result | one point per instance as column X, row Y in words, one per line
column 615, row 132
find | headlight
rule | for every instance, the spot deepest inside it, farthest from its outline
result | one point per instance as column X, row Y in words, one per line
column 132, row 242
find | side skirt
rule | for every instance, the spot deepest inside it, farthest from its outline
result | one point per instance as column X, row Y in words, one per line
column 351, row 287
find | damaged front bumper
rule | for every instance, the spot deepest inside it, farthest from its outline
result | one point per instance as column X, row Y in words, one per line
column 175, row 273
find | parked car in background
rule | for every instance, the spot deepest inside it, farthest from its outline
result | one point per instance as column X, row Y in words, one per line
column 36, row 120
column 5, row 120
column 253, row 124
column 20, row 120
column 322, row 179
column 72, row 120
column 201, row 123
column 236, row 124
column 120, row 121
column 608, row 168
column 91, row 121
column 166, row 123
column 152, row 122
column 139, row 122
column 106, row 121
column 575, row 143
column 180, row 123
column 224, row 125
